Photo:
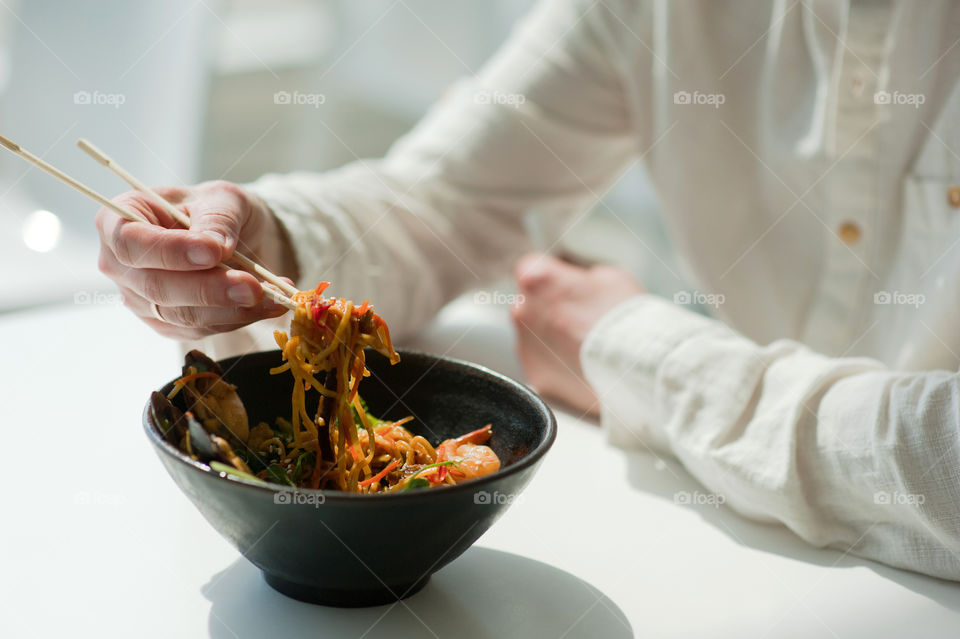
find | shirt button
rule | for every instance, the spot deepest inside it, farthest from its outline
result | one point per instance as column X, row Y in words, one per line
column 849, row 233
column 953, row 196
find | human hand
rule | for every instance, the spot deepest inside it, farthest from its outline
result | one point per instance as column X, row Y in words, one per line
column 558, row 305
column 161, row 263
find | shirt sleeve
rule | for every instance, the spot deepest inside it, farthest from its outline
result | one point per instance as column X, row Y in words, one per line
column 546, row 125
column 843, row 451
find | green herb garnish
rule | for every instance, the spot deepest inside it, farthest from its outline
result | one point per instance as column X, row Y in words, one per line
column 415, row 482
column 277, row 474
column 374, row 421
column 230, row 470
column 301, row 466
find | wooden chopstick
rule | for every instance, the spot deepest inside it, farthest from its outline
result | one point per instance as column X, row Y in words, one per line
column 63, row 177
column 248, row 264
column 270, row 289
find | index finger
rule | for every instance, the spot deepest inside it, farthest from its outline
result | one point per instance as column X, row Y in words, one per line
column 142, row 245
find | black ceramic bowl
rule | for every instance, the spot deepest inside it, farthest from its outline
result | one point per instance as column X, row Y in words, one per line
column 342, row 549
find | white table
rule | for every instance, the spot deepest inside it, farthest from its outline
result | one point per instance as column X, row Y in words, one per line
column 96, row 539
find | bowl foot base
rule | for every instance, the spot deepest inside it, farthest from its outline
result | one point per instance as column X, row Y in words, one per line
column 343, row 598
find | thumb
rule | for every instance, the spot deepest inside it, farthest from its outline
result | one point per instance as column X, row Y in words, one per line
column 219, row 212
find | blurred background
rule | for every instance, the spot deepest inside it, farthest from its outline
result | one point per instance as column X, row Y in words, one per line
column 181, row 91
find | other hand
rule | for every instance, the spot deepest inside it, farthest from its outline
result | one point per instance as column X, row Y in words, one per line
column 558, row 305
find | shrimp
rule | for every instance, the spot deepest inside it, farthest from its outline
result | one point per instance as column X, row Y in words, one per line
column 473, row 458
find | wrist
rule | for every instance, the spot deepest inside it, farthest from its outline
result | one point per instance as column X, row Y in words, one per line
column 276, row 252
column 624, row 358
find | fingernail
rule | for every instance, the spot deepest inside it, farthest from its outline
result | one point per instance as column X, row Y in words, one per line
column 241, row 294
column 216, row 235
column 201, row 256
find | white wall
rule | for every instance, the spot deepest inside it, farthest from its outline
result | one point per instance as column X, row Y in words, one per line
column 152, row 60
column 197, row 80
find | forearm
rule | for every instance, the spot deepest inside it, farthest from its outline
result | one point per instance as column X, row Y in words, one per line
column 357, row 228
column 545, row 126
column 843, row 451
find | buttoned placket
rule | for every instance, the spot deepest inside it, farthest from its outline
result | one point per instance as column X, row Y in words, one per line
column 851, row 203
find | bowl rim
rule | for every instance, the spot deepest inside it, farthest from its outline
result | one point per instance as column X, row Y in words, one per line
column 530, row 459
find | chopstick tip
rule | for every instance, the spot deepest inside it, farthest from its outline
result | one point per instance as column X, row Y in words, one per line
column 87, row 147
column 10, row 144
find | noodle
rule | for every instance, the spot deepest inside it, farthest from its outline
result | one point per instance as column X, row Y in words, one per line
column 340, row 447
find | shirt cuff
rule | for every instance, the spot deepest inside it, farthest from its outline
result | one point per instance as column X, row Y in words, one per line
column 311, row 241
column 621, row 358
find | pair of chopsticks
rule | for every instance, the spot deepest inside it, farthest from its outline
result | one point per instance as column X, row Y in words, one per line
column 277, row 289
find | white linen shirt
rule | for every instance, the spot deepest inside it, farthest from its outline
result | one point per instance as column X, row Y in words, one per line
column 805, row 155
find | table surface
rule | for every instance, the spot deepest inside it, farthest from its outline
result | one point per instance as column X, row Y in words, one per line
column 96, row 538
